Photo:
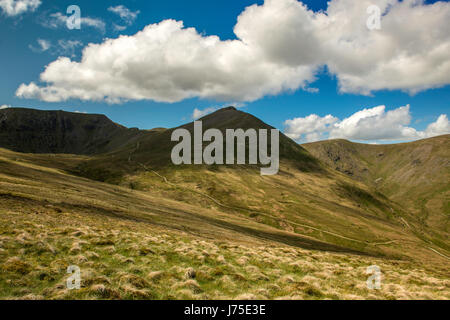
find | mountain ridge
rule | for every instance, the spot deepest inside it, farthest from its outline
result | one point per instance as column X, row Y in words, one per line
column 56, row 131
column 415, row 174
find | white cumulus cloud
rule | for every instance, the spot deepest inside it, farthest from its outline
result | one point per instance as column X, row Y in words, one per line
column 4, row 106
column 166, row 62
column 409, row 52
column 372, row 124
column 439, row 127
column 17, row 7
column 312, row 126
column 280, row 46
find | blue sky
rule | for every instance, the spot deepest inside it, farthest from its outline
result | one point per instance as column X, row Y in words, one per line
column 32, row 39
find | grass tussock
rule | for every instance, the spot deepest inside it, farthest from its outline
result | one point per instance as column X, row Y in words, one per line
column 122, row 259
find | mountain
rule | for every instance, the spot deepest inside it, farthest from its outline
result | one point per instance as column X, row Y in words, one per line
column 308, row 220
column 153, row 149
column 307, row 197
column 156, row 145
column 414, row 174
column 36, row 131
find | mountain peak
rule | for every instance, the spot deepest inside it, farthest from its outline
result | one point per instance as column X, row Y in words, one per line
column 229, row 111
column 228, row 108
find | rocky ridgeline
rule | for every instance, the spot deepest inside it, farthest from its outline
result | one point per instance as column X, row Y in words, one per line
column 36, row 131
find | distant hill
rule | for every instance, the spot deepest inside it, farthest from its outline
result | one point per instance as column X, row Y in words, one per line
column 36, row 131
column 415, row 174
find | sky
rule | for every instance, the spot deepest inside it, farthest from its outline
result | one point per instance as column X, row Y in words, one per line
column 373, row 71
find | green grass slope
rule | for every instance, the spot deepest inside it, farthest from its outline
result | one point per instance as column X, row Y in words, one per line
column 415, row 175
column 131, row 218
column 306, row 197
column 132, row 244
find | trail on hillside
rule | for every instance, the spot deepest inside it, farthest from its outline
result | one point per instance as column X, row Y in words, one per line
column 432, row 249
column 287, row 221
column 365, row 242
column 265, row 214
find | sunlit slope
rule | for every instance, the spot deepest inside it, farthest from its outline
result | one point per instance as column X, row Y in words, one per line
column 415, row 175
column 27, row 182
column 309, row 203
column 306, row 197
column 134, row 244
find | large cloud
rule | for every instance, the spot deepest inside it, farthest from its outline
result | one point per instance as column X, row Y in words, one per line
column 166, row 62
column 409, row 52
column 373, row 124
column 279, row 47
column 16, row 7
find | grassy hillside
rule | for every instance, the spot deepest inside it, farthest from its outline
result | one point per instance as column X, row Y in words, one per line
column 415, row 175
column 131, row 244
column 306, row 197
column 141, row 227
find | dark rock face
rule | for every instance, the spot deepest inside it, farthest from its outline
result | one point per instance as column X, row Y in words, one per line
column 36, row 131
